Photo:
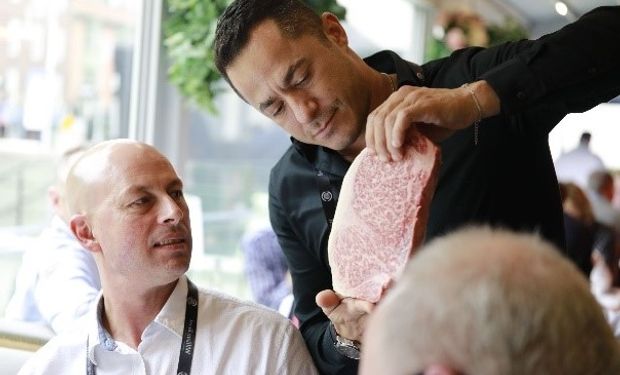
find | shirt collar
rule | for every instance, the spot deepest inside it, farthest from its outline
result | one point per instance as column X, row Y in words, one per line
column 407, row 73
column 171, row 317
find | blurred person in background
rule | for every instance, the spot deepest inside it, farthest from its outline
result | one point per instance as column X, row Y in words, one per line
column 577, row 164
column 579, row 225
column 266, row 270
column 601, row 193
column 58, row 280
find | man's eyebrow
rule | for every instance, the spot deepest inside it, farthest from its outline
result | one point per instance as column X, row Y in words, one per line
column 286, row 82
column 266, row 104
column 176, row 183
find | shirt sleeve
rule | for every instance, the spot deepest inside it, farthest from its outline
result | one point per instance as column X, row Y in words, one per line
column 309, row 276
column 296, row 360
column 580, row 57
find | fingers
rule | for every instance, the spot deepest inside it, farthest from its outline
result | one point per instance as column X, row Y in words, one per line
column 348, row 314
column 379, row 130
column 442, row 111
column 327, row 300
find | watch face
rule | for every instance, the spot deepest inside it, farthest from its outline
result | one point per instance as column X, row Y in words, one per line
column 348, row 350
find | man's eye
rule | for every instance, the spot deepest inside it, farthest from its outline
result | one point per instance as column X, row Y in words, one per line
column 301, row 81
column 142, row 201
column 139, row 202
column 278, row 110
column 177, row 194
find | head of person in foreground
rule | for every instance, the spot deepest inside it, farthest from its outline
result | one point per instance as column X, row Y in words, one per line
column 485, row 302
column 127, row 207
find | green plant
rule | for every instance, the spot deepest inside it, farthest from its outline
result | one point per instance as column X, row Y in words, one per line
column 189, row 31
column 509, row 30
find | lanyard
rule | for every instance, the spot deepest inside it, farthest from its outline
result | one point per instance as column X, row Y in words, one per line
column 188, row 339
column 328, row 199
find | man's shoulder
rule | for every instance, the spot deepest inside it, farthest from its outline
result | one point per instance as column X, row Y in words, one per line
column 298, row 155
column 224, row 305
column 296, row 161
column 64, row 353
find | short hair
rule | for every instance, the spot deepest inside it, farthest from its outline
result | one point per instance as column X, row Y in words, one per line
column 241, row 17
column 486, row 301
column 585, row 137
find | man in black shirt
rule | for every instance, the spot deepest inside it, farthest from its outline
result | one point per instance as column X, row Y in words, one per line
column 296, row 68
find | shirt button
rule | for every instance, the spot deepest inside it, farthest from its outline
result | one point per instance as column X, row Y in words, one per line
column 592, row 71
column 520, row 95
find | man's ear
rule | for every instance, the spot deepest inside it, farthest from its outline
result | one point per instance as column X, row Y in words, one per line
column 333, row 29
column 83, row 232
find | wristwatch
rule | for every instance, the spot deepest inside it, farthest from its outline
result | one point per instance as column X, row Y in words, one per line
column 344, row 346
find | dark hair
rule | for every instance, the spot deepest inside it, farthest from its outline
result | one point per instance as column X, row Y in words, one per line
column 239, row 19
column 585, row 137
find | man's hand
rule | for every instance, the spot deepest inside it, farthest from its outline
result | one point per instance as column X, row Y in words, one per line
column 349, row 315
column 437, row 113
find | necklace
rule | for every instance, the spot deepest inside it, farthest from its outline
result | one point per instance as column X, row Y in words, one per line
column 391, row 80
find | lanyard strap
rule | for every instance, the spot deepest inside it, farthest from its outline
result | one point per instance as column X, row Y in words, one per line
column 189, row 330
column 328, row 199
column 189, row 335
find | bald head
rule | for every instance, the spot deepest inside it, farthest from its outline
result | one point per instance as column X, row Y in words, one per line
column 484, row 301
column 99, row 167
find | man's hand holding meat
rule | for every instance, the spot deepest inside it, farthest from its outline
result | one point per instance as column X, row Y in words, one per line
column 437, row 113
column 348, row 315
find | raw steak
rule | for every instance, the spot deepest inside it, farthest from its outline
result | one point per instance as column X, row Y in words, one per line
column 381, row 218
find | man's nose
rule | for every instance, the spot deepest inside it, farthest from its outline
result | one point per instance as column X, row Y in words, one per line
column 304, row 107
column 170, row 212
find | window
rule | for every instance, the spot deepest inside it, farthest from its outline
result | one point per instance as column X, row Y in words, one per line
column 65, row 79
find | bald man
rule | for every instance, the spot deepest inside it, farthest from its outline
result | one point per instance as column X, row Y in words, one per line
column 127, row 208
column 488, row 302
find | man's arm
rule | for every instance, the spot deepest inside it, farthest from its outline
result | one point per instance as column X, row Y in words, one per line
column 574, row 68
column 580, row 52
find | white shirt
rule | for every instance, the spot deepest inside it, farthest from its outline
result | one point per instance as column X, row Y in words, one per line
column 57, row 282
column 576, row 166
column 604, row 211
column 233, row 337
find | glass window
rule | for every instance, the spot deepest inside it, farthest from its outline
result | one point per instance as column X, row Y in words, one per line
column 65, row 79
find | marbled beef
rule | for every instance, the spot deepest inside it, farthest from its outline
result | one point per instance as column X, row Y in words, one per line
column 381, row 218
